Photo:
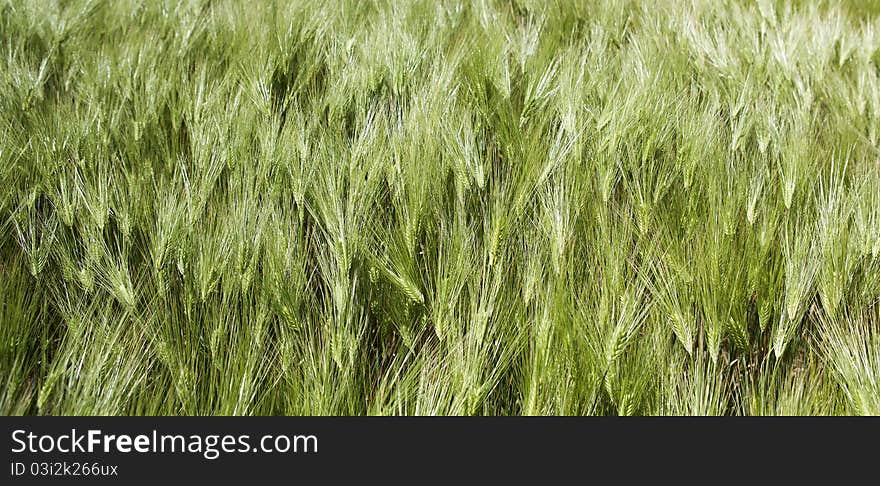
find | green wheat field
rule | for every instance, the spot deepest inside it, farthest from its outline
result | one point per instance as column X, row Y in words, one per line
column 488, row 207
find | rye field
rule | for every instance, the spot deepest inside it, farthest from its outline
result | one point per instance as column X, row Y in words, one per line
column 601, row 207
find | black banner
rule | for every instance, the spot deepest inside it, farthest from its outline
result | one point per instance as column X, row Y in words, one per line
column 328, row 450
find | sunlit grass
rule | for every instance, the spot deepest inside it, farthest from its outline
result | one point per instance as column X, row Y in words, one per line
column 439, row 207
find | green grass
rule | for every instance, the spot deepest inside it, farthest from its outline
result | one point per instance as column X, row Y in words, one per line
column 439, row 207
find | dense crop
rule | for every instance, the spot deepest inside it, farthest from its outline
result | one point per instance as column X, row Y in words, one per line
column 439, row 207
